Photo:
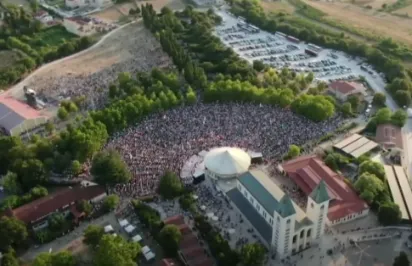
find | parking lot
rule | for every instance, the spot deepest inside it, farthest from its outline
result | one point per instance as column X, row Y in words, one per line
column 279, row 50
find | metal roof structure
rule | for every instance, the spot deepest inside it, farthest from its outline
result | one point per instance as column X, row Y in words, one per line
column 396, row 191
column 356, row 145
column 227, row 161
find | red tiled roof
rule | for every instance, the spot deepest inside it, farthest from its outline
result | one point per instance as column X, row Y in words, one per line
column 168, row 262
column 308, row 171
column 389, row 136
column 193, row 253
column 344, row 87
column 20, row 108
column 42, row 207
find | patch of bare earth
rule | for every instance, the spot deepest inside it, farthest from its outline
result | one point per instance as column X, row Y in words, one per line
column 277, row 6
column 130, row 49
column 379, row 23
column 110, row 14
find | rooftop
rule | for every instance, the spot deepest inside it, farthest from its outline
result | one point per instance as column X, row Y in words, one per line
column 42, row 207
column 227, row 161
column 309, row 171
column 345, row 87
column 389, row 136
column 356, row 145
column 271, row 197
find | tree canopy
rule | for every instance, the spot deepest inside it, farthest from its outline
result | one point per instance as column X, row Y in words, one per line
column 169, row 239
column 401, row 260
column 374, row 168
column 369, row 186
column 109, row 168
column 92, row 235
column 252, row 254
column 389, row 214
column 13, row 232
column 170, row 186
column 116, row 251
column 62, row 258
column 110, row 202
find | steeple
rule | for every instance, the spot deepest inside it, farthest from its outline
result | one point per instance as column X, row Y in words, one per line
column 320, row 193
column 285, row 207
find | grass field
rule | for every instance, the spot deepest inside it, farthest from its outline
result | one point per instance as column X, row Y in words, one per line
column 363, row 20
column 55, row 35
column 8, row 58
column 405, row 11
column 277, row 6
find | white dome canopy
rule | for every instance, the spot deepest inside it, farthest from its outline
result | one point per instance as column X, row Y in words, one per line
column 227, row 162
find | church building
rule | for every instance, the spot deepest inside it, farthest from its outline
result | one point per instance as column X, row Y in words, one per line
column 285, row 226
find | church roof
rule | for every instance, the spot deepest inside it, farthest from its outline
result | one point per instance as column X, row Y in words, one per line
column 320, row 193
column 285, row 207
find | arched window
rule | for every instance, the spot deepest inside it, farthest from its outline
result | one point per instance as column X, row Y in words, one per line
column 302, row 233
column 308, row 233
column 322, row 207
column 288, row 221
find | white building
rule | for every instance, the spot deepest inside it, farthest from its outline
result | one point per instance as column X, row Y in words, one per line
column 290, row 229
column 226, row 163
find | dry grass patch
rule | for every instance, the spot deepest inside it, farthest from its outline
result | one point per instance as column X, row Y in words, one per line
column 110, row 14
column 277, row 6
column 8, row 58
column 379, row 23
column 405, row 11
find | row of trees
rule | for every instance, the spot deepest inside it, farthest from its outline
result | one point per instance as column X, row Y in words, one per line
column 314, row 107
column 371, row 185
column 400, row 84
column 386, row 116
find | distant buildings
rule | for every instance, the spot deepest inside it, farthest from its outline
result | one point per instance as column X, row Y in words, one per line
column 43, row 17
column 79, row 25
column 35, row 214
column 84, row 3
column 343, row 89
column 17, row 117
column 389, row 136
column 308, row 171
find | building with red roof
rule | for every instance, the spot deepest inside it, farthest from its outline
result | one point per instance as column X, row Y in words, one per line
column 191, row 252
column 389, row 136
column 307, row 172
column 35, row 214
column 17, row 117
column 343, row 89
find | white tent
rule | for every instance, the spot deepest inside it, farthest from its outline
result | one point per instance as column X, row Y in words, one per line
column 149, row 255
column 136, row 238
column 195, row 197
column 123, row 223
column 145, row 249
column 231, row 231
column 108, row 229
column 130, row 228
column 227, row 162
column 215, row 218
column 203, row 207
column 210, row 214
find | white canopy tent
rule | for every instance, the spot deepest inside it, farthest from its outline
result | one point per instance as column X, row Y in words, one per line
column 203, row 207
column 215, row 218
column 210, row 214
column 123, row 223
column 227, row 162
column 136, row 238
column 145, row 249
column 108, row 229
column 149, row 255
column 130, row 228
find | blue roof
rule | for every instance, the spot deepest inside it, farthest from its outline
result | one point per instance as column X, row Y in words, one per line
column 259, row 192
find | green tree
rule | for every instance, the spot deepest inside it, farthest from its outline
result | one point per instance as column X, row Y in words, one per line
column 62, row 258
column 294, row 151
column 401, row 260
column 399, row 118
column 10, row 258
column 374, row 168
column 86, row 207
column 169, row 238
column 258, row 65
column 11, row 184
column 57, row 222
column 252, row 254
column 76, row 167
column 31, row 172
column 403, row 98
column 379, row 99
column 110, row 202
column 389, row 214
column 49, row 127
column 354, row 102
column 12, row 232
column 62, row 113
column 92, row 235
column 109, row 168
column 347, row 109
column 383, row 116
column 170, row 186
column 191, row 96
column 115, row 251
column 330, row 161
column 369, row 187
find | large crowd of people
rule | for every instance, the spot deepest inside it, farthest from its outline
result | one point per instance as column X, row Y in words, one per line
column 164, row 141
column 132, row 49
